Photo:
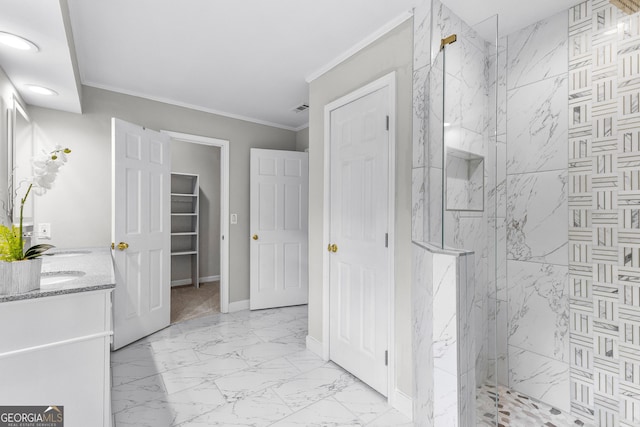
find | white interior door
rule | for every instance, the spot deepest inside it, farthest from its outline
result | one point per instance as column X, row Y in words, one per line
column 279, row 225
column 359, row 261
column 141, row 231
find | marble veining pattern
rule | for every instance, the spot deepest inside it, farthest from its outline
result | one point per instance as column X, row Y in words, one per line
column 537, row 217
column 248, row 368
column 540, row 377
column 538, row 51
column 533, row 254
column 422, row 335
column 539, row 308
column 537, row 126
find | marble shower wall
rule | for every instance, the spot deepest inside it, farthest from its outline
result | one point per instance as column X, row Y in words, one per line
column 604, row 225
column 531, row 219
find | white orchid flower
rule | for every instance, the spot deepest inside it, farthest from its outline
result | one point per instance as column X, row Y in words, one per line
column 45, row 168
column 45, row 171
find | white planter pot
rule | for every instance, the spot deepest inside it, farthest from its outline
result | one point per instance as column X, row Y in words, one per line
column 20, row 276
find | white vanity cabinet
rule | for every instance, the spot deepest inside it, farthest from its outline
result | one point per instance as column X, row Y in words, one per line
column 55, row 350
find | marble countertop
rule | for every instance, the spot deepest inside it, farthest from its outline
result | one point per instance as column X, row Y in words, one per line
column 67, row 271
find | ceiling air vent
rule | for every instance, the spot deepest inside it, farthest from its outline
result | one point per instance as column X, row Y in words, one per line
column 627, row 6
column 300, row 108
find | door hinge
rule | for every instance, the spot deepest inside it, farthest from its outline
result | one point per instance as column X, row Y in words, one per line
column 386, row 358
column 386, row 240
column 387, row 122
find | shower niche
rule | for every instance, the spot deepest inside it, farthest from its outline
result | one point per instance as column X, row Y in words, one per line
column 464, row 181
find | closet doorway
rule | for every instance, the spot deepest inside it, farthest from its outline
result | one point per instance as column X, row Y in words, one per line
column 200, row 226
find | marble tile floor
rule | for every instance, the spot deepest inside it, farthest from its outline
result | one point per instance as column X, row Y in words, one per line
column 518, row 410
column 249, row 368
column 189, row 302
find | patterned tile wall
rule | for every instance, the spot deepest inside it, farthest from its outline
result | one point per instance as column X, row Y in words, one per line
column 604, row 214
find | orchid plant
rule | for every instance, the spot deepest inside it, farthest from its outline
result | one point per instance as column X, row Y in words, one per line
column 45, row 167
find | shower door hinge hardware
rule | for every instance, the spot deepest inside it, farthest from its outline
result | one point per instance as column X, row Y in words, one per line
column 387, row 122
column 386, row 358
column 386, row 240
column 448, row 40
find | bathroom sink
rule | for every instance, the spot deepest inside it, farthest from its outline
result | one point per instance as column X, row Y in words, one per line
column 62, row 254
column 57, row 277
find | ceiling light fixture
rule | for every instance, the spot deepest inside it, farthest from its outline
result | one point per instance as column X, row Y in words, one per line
column 627, row 6
column 17, row 42
column 41, row 90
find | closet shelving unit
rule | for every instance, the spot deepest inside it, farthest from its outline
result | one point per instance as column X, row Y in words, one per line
column 185, row 223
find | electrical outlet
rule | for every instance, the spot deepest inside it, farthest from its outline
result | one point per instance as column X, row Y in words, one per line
column 234, row 218
column 44, row 230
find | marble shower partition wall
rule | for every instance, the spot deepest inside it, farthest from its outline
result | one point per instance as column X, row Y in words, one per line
column 462, row 92
column 459, row 97
column 443, row 342
column 604, row 224
column 422, row 336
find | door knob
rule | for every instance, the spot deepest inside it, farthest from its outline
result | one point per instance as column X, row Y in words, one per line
column 121, row 246
column 332, row 248
column 255, row 237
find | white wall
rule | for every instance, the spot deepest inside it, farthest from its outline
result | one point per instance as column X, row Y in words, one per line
column 393, row 52
column 79, row 206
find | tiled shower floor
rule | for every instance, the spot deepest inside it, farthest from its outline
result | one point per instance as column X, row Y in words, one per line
column 518, row 410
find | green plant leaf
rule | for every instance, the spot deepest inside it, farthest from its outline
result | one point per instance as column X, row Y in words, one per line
column 37, row 250
column 10, row 246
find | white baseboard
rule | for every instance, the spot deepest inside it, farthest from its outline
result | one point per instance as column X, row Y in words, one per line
column 180, row 282
column 403, row 403
column 205, row 279
column 314, row 346
column 239, row 305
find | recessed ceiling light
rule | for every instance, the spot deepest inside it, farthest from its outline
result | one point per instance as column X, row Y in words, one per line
column 41, row 90
column 17, row 42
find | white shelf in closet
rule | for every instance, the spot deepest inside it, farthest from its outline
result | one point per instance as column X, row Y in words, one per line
column 184, row 253
column 185, row 210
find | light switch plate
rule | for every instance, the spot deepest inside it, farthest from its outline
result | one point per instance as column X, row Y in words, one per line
column 234, row 218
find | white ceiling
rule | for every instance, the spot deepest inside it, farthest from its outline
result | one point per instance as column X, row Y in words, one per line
column 512, row 14
column 242, row 58
column 41, row 22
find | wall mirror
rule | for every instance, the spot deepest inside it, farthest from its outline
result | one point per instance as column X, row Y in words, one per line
column 4, row 164
column 21, row 150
